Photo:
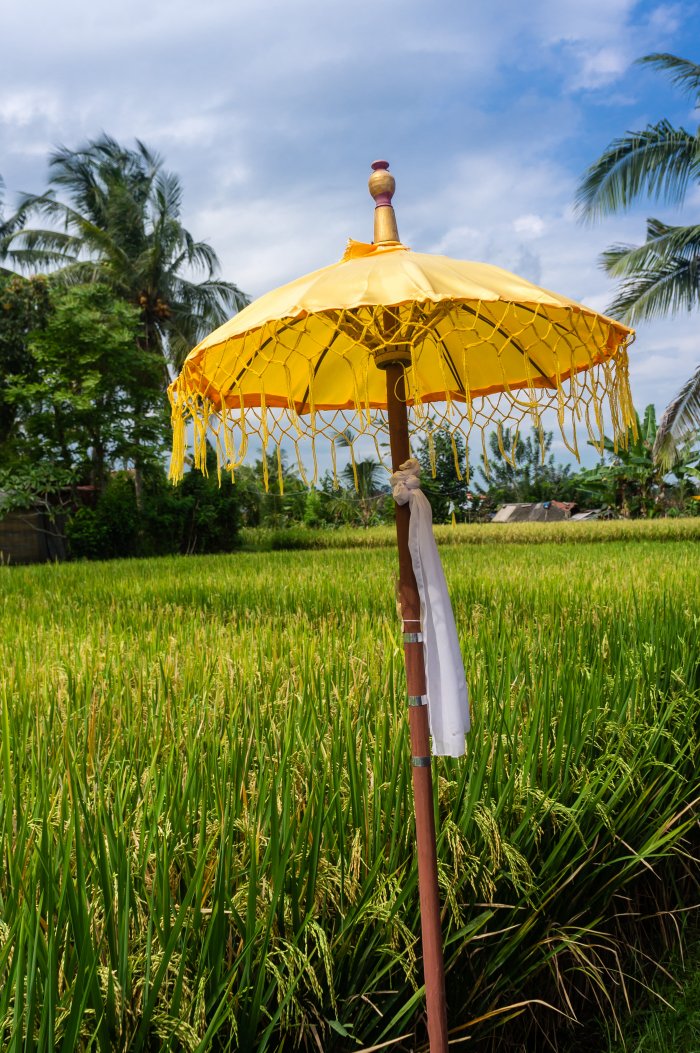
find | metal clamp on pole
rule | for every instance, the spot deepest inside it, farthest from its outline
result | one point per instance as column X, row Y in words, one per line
column 417, row 700
column 420, row 762
column 413, row 637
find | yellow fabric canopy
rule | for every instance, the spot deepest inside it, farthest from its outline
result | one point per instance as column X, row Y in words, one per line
column 481, row 346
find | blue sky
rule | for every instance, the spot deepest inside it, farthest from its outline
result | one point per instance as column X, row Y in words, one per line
column 271, row 113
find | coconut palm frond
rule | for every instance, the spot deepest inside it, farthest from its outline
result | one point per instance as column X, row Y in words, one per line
column 167, row 195
column 9, row 225
column 152, row 161
column 663, row 242
column 40, row 240
column 658, row 162
column 684, row 74
column 6, row 227
column 662, row 276
column 668, row 286
column 197, row 255
column 365, row 476
column 197, row 308
column 679, row 423
column 215, row 298
column 659, row 276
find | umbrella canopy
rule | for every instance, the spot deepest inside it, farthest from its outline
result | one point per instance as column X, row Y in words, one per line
column 481, row 347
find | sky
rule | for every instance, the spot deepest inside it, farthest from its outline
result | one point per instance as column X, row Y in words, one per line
column 272, row 112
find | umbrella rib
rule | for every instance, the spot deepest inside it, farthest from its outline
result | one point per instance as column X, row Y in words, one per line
column 452, row 367
column 448, row 357
column 514, row 343
column 533, row 310
column 244, row 369
column 316, row 369
column 447, row 354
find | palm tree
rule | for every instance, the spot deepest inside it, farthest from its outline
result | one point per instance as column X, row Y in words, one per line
column 662, row 276
column 7, row 226
column 3, row 232
column 365, row 476
column 120, row 222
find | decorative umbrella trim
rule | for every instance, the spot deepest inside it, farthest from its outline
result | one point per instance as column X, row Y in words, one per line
column 253, row 401
column 587, row 366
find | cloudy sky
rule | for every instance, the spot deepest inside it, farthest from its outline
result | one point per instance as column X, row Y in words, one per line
column 271, row 113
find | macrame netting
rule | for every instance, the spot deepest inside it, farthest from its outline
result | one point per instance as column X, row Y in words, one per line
column 471, row 366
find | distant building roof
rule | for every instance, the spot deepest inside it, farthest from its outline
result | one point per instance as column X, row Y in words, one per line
column 592, row 513
column 542, row 512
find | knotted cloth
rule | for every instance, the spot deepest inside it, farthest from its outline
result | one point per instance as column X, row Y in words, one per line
column 448, row 699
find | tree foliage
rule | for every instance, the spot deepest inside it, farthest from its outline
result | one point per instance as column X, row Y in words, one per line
column 78, row 383
column 633, row 483
column 115, row 214
column 661, row 276
column 196, row 517
column 24, row 309
column 441, row 457
column 523, row 470
column 86, row 353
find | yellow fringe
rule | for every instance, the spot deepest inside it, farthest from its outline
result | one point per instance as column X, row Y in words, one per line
column 581, row 398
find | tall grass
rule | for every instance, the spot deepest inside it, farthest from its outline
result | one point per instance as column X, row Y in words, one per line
column 206, row 819
column 671, row 529
column 670, row 1019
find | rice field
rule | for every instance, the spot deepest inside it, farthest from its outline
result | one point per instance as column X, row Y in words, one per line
column 206, row 816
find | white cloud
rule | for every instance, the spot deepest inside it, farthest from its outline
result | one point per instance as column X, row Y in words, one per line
column 530, row 225
column 666, row 19
column 460, row 241
column 22, row 108
column 598, row 67
column 567, row 20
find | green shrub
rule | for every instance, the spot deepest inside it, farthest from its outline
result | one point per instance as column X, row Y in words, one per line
column 86, row 535
column 196, row 516
column 109, row 531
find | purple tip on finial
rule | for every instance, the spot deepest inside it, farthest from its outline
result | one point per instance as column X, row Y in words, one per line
column 380, row 166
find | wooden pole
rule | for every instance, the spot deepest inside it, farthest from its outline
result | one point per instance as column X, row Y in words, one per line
column 433, row 966
column 392, row 359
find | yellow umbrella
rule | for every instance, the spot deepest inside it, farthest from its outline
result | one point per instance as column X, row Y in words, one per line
column 389, row 343
column 481, row 347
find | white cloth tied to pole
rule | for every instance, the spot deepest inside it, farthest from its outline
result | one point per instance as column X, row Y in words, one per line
column 448, row 699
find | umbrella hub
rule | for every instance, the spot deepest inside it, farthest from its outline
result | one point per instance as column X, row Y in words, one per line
column 392, row 354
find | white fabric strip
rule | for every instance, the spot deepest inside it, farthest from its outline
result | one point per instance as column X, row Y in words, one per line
column 448, row 700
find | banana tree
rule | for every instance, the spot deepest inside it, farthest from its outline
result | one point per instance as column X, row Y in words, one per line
column 633, row 483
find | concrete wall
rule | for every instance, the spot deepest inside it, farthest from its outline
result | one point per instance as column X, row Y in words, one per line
column 27, row 537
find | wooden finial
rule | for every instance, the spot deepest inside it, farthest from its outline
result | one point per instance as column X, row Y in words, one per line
column 381, row 186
